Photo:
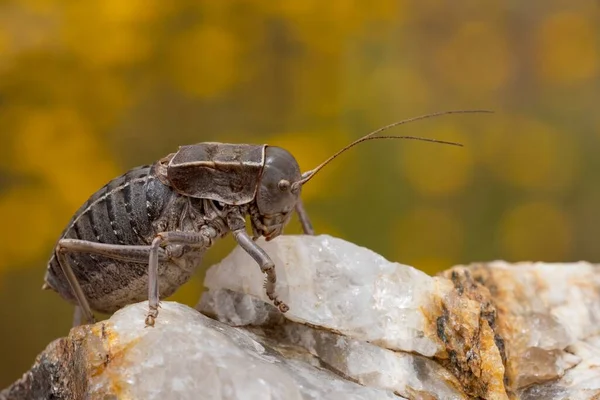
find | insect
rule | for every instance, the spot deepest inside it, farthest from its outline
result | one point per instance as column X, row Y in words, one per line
column 145, row 232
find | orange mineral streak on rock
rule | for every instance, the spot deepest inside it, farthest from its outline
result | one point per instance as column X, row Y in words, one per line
column 536, row 314
column 464, row 322
column 107, row 353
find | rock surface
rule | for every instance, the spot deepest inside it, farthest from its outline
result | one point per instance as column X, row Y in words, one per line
column 406, row 315
column 359, row 327
column 548, row 316
column 185, row 356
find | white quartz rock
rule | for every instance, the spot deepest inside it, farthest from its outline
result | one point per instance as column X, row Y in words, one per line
column 561, row 299
column 359, row 327
column 189, row 356
column 334, row 284
column 427, row 338
column 408, row 374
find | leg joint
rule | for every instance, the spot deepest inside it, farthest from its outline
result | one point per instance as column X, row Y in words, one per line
column 60, row 247
column 176, row 237
column 267, row 267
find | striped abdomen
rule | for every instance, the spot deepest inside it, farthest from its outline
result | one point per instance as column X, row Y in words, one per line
column 121, row 213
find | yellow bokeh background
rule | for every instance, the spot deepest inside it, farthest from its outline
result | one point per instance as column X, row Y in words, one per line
column 91, row 89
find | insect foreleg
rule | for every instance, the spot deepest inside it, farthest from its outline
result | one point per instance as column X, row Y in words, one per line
column 264, row 261
column 304, row 219
column 137, row 254
column 202, row 239
column 237, row 225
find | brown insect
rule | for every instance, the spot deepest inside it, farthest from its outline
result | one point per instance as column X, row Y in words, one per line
column 145, row 232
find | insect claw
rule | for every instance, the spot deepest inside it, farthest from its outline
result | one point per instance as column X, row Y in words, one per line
column 150, row 321
column 151, row 316
column 283, row 307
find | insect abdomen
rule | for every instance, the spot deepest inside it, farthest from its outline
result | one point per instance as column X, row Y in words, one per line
column 120, row 213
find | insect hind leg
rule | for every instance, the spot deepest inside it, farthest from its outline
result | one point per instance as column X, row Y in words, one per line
column 138, row 254
column 77, row 316
column 82, row 310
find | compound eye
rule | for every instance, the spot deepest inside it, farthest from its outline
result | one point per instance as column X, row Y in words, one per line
column 284, row 185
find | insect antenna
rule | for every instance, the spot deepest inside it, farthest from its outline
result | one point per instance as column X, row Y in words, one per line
column 306, row 176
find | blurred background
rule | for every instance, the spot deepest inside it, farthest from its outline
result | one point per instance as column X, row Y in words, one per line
column 91, row 89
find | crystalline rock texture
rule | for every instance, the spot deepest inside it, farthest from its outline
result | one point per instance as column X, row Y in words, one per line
column 359, row 327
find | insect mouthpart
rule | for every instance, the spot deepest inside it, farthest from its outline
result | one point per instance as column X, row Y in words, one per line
column 271, row 225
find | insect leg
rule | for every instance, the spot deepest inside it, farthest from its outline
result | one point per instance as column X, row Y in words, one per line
column 195, row 239
column 304, row 219
column 119, row 252
column 266, row 265
column 137, row 254
column 77, row 316
column 63, row 261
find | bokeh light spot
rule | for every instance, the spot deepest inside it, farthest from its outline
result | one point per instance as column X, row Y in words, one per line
column 409, row 91
column 30, row 220
column 476, row 59
column 59, row 147
column 435, row 169
column 568, row 48
column 530, row 154
column 425, row 234
column 106, row 33
column 5, row 44
column 339, row 18
column 535, row 231
column 205, row 61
